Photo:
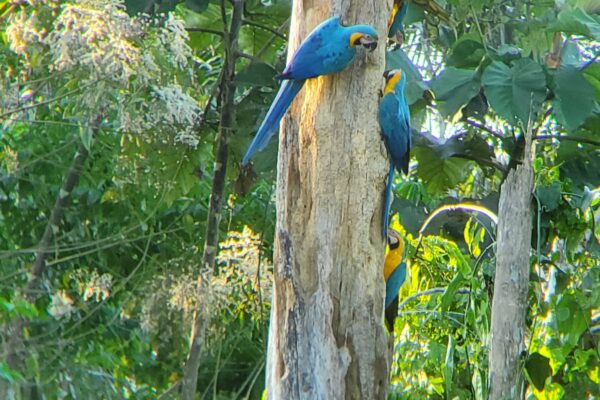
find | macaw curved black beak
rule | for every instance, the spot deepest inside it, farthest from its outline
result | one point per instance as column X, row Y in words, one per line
column 368, row 43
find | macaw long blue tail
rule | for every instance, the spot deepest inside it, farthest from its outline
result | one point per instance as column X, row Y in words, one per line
column 388, row 200
column 288, row 90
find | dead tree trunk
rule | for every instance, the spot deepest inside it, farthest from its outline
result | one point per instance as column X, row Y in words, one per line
column 326, row 338
column 509, row 305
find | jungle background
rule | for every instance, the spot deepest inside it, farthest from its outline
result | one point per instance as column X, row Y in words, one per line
column 112, row 122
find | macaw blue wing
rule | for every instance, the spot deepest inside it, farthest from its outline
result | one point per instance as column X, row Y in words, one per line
column 394, row 119
column 323, row 52
column 329, row 48
column 394, row 283
column 288, row 90
column 398, row 14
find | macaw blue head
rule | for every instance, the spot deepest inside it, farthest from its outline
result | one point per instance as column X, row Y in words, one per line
column 362, row 35
column 394, row 81
column 395, row 240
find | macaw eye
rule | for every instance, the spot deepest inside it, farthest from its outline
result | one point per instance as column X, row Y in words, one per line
column 368, row 42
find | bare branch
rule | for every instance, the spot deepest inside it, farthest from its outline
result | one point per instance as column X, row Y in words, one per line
column 205, row 30
column 572, row 138
column 478, row 125
column 42, row 103
column 266, row 28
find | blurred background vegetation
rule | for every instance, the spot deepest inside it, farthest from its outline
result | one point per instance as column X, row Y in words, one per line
column 131, row 89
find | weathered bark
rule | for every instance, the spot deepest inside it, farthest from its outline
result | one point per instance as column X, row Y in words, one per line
column 511, row 283
column 226, row 94
column 326, row 338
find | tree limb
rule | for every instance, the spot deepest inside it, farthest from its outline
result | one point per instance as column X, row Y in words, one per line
column 477, row 125
column 205, row 30
column 572, row 138
column 42, row 103
column 266, row 28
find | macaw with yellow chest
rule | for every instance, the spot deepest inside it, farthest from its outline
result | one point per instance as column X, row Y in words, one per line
column 329, row 48
column 394, row 273
column 395, row 26
column 399, row 9
column 394, row 120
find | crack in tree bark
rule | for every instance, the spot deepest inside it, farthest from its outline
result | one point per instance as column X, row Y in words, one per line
column 326, row 336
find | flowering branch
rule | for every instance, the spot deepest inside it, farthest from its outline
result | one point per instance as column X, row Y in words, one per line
column 41, row 103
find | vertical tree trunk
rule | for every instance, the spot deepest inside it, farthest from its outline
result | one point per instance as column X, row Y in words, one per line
column 511, row 283
column 326, row 338
column 211, row 240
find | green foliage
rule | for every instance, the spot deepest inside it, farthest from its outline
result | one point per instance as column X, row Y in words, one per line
column 577, row 22
column 115, row 309
column 515, row 92
column 574, row 97
column 454, row 89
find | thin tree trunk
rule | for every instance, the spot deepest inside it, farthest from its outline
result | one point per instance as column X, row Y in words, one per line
column 227, row 92
column 64, row 196
column 326, row 338
column 15, row 345
column 511, row 284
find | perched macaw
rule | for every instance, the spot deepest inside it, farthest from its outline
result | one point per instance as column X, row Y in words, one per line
column 329, row 48
column 395, row 25
column 394, row 273
column 394, row 120
column 399, row 9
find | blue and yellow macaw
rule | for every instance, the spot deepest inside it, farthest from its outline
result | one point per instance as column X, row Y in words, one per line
column 399, row 9
column 395, row 26
column 394, row 273
column 329, row 48
column 394, row 120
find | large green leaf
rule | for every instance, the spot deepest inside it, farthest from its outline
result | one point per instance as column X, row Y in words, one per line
column 592, row 74
column 515, row 91
column 577, row 22
column 579, row 163
column 574, row 97
column 467, row 52
column 538, row 369
column 439, row 174
column 454, row 89
column 397, row 59
column 549, row 195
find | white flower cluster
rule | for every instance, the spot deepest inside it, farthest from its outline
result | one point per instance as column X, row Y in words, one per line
column 101, row 38
column 239, row 258
column 61, row 305
column 24, row 30
column 169, row 110
column 239, row 275
column 176, row 108
column 175, row 38
column 122, row 63
column 92, row 285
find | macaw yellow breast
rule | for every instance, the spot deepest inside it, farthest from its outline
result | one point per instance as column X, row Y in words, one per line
column 392, row 260
column 395, row 9
column 391, row 83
